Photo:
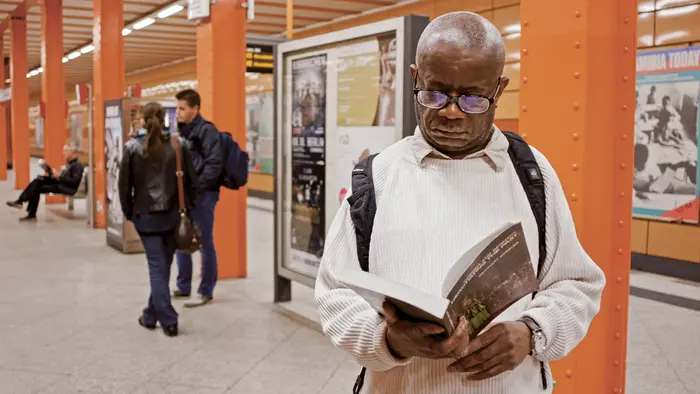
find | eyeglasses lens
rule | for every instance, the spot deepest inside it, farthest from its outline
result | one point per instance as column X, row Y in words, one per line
column 438, row 100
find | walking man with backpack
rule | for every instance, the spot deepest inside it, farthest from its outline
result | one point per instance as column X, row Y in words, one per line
column 435, row 194
column 208, row 155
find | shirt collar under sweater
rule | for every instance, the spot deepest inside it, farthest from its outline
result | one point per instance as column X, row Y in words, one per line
column 495, row 153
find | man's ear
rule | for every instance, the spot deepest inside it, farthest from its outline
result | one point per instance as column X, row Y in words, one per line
column 414, row 70
column 501, row 88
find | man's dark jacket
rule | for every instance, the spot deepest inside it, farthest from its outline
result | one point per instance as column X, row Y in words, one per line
column 71, row 176
column 205, row 145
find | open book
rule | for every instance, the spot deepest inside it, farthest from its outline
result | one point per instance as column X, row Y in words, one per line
column 483, row 283
column 46, row 167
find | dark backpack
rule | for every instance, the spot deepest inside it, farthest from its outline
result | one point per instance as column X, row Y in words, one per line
column 363, row 207
column 235, row 172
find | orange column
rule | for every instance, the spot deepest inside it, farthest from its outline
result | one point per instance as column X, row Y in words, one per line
column 109, row 81
column 3, row 125
column 577, row 104
column 20, row 98
column 221, row 67
column 53, row 85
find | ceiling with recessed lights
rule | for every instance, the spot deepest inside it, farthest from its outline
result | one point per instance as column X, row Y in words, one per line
column 165, row 37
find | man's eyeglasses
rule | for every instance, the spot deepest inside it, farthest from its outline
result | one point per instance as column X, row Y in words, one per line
column 470, row 104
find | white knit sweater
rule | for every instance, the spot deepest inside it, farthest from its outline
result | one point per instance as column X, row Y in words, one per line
column 430, row 210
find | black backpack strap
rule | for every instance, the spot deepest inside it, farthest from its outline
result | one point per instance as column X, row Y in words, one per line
column 363, row 206
column 531, row 178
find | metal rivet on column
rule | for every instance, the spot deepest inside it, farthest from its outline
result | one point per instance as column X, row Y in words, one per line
column 624, row 137
column 526, row 23
column 627, row 49
column 577, row 13
column 619, row 279
column 574, row 167
column 524, row 51
column 617, row 335
column 617, row 391
column 575, row 136
column 569, row 374
column 620, row 251
column 624, row 108
column 618, row 308
column 621, row 223
column 622, row 194
column 577, row 44
column 576, row 106
column 627, row 20
column 524, row 135
column 524, row 108
column 616, row 363
column 577, row 75
column 623, row 166
column 574, row 197
column 524, row 79
column 625, row 79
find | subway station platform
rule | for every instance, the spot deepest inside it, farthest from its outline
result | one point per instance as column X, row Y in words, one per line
column 68, row 322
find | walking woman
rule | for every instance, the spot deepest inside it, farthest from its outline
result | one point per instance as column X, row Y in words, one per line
column 148, row 194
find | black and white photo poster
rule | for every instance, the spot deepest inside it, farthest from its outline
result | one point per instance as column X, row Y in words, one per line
column 114, row 144
column 666, row 135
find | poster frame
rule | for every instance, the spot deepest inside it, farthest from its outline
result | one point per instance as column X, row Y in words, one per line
column 654, row 214
column 125, row 239
column 408, row 30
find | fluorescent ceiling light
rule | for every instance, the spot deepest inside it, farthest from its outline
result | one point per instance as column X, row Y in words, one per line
column 74, row 55
column 8, row 80
column 40, row 70
column 514, row 28
column 646, row 40
column 174, row 9
column 126, row 31
column 143, row 23
column 674, row 35
column 512, row 36
column 668, row 3
column 670, row 12
column 65, row 60
column 87, row 49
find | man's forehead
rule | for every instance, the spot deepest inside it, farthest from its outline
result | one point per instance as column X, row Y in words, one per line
column 458, row 70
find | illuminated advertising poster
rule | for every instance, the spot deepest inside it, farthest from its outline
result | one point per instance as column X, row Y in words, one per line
column 366, row 111
column 666, row 135
column 260, row 125
column 308, row 172
column 114, row 145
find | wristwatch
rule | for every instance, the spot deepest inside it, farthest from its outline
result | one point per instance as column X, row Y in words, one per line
column 538, row 343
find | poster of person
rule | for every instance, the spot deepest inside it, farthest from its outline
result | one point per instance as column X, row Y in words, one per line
column 666, row 135
column 259, row 132
column 366, row 111
column 309, row 96
column 366, row 83
column 308, row 168
column 113, row 153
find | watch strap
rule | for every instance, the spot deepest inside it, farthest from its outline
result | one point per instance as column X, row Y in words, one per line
column 531, row 324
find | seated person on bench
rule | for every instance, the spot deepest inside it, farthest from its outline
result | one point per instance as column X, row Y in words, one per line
column 66, row 183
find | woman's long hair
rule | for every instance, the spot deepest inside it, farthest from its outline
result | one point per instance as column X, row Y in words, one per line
column 154, row 117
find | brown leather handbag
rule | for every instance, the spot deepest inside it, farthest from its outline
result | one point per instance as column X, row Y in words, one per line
column 186, row 235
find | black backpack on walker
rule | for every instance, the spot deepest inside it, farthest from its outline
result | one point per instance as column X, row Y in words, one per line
column 363, row 207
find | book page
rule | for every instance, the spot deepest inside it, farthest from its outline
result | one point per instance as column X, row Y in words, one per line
column 500, row 275
column 412, row 304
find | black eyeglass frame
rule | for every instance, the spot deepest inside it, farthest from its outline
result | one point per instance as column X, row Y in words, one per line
column 455, row 99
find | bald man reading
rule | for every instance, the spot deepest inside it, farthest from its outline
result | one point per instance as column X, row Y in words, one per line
column 438, row 193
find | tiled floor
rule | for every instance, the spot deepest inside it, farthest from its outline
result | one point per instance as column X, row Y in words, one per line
column 68, row 324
